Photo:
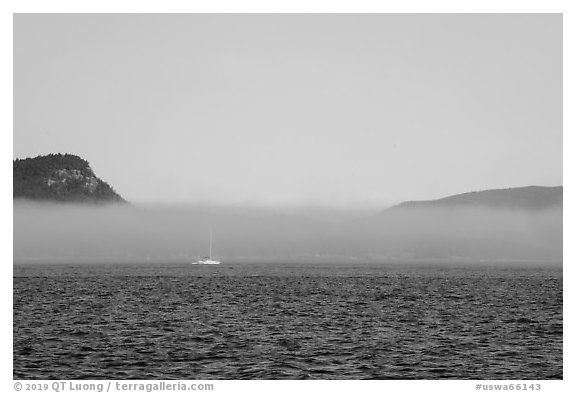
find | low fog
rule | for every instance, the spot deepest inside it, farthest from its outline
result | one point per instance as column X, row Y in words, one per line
column 127, row 233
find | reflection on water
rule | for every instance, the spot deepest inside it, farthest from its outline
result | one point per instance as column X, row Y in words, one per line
column 287, row 321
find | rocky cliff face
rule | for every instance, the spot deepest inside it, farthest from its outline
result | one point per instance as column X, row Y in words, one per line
column 61, row 178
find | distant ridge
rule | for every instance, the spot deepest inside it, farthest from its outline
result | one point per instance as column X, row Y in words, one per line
column 521, row 198
column 60, row 178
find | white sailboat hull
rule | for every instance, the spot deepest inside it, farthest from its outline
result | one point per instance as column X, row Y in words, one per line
column 210, row 262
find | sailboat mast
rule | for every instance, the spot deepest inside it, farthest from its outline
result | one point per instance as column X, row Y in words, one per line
column 210, row 244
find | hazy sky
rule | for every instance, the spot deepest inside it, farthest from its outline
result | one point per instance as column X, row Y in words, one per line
column 329, row 110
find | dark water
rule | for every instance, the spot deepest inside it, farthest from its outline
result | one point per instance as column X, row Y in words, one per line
column 271, row 322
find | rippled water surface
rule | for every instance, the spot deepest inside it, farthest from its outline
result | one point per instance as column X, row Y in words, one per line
column 286, row 321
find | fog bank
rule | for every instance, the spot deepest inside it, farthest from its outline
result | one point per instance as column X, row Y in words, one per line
column 75, row 233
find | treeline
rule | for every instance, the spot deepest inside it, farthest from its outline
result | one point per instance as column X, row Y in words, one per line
column 59, row 177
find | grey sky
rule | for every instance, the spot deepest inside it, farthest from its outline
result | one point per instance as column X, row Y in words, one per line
column 329, row 110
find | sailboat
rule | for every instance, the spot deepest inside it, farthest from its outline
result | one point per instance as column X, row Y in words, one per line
column 207, row 260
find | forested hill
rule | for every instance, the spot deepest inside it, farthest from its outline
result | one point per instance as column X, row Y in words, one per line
column 532, row 198
column 60, row 178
